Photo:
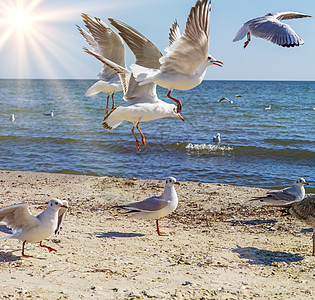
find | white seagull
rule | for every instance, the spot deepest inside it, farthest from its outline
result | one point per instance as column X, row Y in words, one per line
column 216, row 138
column 303, row 210
column 109, row 44
column 294, row 193
column 271, row 29
column 185, row 64
column 145, row 104
column 50, row 114
column 224, row 98
column 268, row 107
column 31, row 229
column 12, row 118
column 155, row 207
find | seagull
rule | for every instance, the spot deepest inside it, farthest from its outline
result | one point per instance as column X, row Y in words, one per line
column 184, row 66
column 238, row 96
column 216, row 138
column 294, row 193
column 224, row 98
column 145, row 105
column 50, row 114
column 109, row 44
column 270, row 28
column 31, row 229
column 155, row 207
column 268, row 108
column 12, row 118
column 303, row 210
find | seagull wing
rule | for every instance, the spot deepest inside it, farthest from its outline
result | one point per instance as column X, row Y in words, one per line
column 150, row 204
column 109, row 44
column 174, row 34
column 89, row 38
column 271, row 29
column 146, row 53
column 18, row 216
column 133, row 93
column 61, row 215
column 191, row 48
column 287, row 15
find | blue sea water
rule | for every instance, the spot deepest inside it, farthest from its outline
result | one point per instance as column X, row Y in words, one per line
column 263, row 148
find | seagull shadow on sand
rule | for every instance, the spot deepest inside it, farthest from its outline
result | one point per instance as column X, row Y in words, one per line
column 112, row 234
column 7, row 257
column 257, row 256
column 252, row 222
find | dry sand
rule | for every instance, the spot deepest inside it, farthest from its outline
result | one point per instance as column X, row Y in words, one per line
column 219, row 245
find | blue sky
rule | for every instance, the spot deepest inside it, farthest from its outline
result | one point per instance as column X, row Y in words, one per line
column 51, row 47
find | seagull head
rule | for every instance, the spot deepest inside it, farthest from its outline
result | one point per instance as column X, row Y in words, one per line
column 301, row 181
column 56, row 204
column 170, row 181
column 212, row 61
column 174, row 112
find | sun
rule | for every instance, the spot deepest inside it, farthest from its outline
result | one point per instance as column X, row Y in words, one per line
column 21, row 21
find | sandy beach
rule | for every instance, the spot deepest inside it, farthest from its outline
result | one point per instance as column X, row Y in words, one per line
column 219, row 245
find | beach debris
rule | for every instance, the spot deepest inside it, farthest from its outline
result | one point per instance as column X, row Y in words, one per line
column 271, row 29
column 154, row 207
column 31, row 229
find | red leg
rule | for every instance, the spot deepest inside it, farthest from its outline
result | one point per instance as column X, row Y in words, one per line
column 313, row 243
column 248, row 40
column 179, row 104
column 113, row 105
column 142, row 136
column 137, row 142
column 107, row 104
column 23, row 254
column 158, row 229
column 49, row 248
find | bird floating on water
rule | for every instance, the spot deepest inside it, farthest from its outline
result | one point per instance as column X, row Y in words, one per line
column 31, row 229
column 155, row 207
column 52, row 113
column 271, row 29
column 216, row 138
column 268, row 107
column 12, row 118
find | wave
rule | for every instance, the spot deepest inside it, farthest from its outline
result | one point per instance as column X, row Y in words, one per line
column 207, row 148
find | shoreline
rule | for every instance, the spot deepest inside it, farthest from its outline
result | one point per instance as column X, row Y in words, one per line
column 219, row 245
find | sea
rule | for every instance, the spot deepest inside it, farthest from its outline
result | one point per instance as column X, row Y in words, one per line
column 268, row 148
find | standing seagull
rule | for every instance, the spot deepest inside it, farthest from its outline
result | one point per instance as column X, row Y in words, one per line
column 155, row 207
column 303, row 210
column 30, row 229
column 294, row 193
column 271, row 29
column 109, row 44
column 185, row 64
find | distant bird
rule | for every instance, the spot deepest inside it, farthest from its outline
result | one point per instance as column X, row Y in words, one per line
column 30, row 229
column 313, row 108
column 107, row 43
column 155, row 207
column 50, row 114
column 12, row 118
column 303, row 210
column 238, row 96
column 184, row 66
column 224, row 98
column 268, row 108
column 294, row 193
column 216, row 138
column 270, row 28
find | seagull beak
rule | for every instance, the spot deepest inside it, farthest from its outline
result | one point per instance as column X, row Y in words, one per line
column 64, row 206
column 180, row 117
column 217, row 63
column 306, row 183
column 176, row 182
